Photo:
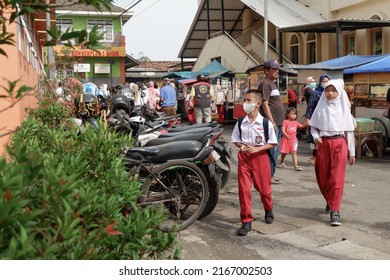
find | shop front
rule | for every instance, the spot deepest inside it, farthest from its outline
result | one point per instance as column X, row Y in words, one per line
column 371, row 82
column 97, row 66
column 228, row 90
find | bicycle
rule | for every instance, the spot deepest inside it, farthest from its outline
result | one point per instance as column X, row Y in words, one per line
column 178, row 187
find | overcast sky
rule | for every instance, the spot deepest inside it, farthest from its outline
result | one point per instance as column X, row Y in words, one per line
column 159, row 27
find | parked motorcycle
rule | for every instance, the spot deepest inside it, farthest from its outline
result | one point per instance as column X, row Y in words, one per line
column 217, row 175
column 87, row 109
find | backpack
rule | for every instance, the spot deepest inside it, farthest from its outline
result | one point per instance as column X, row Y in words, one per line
column 266, row 136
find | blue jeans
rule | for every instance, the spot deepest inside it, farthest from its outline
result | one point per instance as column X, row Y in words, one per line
column 275, row 151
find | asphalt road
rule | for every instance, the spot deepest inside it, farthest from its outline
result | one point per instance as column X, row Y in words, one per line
column 301, row 230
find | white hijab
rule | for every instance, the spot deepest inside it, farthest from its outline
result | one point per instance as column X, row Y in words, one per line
column 333, row 115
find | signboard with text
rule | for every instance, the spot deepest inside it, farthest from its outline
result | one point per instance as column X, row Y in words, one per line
column 82, row 67
column 79, row 52
column 102, row 68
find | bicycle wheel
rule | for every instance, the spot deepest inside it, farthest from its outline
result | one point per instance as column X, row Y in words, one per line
column 379, row 125
column 182, row 189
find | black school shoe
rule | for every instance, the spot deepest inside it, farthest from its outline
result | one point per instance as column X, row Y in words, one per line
column 269, row 217
column 244, row 229
column 335, row 219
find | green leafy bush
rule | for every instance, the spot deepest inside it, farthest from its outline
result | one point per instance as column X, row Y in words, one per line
column 62, row 196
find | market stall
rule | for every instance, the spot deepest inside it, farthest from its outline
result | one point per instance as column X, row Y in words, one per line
column 287, row 79
column 228, row 88
column 371, row 83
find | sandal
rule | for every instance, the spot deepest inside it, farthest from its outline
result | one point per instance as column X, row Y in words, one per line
column 298, row 168
column 282, row 165
column 275, row 181
column 311, row 160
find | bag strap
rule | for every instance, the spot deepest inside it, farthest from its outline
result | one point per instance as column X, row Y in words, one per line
column 266, row 135
column 265, row 127
column 239, row 125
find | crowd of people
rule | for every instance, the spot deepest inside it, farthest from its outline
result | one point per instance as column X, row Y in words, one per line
column 266, row 130
column 163, row 98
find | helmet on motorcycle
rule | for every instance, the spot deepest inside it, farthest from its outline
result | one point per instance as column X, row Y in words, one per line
column 200, row 77
column 118, row 102
column 101, row 95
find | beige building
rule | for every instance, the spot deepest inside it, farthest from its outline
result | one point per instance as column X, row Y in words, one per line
column 232, row 31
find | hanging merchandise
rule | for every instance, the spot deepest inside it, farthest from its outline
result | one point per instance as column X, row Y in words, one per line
column 220, row 97
column 213, row 107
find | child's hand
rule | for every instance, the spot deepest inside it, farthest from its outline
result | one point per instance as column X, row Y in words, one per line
column 318, row 141
column 351, row 161
column 244, row 148
column 252, row 149
column 288, row 137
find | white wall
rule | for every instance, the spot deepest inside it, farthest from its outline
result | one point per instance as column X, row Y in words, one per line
column 233, row 57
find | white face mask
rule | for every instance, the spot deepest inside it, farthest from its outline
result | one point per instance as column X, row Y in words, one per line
column 323, row 84
column 249, row 107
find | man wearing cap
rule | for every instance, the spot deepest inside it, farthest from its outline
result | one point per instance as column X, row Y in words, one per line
column 272, row 106
column 168, row 98
column 200, row 99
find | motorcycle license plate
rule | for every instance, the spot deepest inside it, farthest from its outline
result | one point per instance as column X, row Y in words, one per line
column 215, row 155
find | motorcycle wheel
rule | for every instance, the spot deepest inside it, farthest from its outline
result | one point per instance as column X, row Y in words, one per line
column 92, row 122
column 225, row 174
column 184, row 197
column 211, row 203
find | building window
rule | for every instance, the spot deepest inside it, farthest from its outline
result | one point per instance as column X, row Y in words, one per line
column 350, row 44
column 28, row 49
column 63, row 71
column 294, row 49
column 376, row 41
column 20, row 35
column 65, row 24
column 311, row 48
column 104, row 26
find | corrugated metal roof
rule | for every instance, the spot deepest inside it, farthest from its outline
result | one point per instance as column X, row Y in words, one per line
column 284, row 13
column 198, row 33
column 332, row 25
column 280, row 12
column 74, row 6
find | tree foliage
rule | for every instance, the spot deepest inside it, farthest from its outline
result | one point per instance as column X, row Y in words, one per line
column 63, row 195
column 66, row 195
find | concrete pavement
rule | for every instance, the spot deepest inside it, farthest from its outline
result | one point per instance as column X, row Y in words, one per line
column 301, row 229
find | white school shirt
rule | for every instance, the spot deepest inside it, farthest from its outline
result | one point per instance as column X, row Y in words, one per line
column 253, row 133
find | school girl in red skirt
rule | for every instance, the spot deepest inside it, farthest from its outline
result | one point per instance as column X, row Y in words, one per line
column 253, row 162
column 333, row 132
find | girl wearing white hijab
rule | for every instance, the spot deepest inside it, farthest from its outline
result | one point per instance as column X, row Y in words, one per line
column 333, row 132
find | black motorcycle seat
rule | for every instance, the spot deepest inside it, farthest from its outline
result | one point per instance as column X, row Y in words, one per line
column 200, row 137
column 201, row 125
column 146, row 151
column 175, row 150
column 205, row 130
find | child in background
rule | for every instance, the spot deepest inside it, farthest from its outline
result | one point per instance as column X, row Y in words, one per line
column 289, row 141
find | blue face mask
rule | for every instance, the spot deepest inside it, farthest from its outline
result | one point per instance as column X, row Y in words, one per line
column 312, row 85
